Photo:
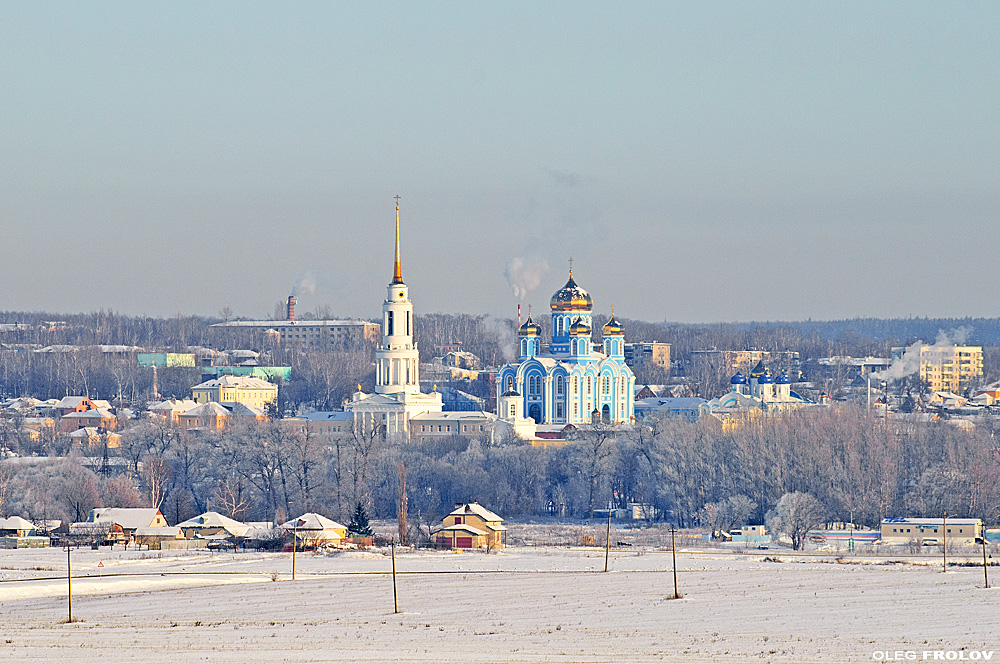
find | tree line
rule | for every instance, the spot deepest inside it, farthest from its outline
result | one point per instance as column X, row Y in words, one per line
column 859, row 467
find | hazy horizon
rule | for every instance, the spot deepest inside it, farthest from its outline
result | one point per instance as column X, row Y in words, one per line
column 700, row 164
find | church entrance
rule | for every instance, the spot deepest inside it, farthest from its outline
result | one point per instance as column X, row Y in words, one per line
column 535, row 413
column 606, row 414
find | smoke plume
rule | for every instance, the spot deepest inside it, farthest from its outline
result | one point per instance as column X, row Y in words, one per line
column 909, row 362
column 525, row 274
column 306, row 284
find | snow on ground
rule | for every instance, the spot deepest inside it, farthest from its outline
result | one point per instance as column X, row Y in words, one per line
column 523, row 604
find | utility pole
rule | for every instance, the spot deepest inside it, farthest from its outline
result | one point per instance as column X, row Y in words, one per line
column 295, row 544
column 607, row 542
column 673, row 553
column 944, row 543
column 986, row 575
column 69, row 580
column 395, row 599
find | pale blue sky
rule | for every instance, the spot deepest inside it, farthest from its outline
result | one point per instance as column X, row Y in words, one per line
column 700, row 163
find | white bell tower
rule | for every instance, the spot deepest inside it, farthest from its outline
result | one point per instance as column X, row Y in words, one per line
column 396, row 359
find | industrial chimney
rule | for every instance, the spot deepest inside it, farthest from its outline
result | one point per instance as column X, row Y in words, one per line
column 291, row 308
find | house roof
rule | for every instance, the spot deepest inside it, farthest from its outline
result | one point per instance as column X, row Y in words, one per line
column 313, row 521
column 216, row 520
column 477, row 509
column 244, row 382
column 210, row 409
column 16, row 523
column 158, row 531
column 128, row 518
column 70, row 402
column 329, row 416
column 465, row 528
column 931, row 521
column 174, row 405
column 93, row 414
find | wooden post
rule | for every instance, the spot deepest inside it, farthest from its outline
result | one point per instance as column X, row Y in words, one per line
column 295, row 544
column 944, row 543
column 69, row 581
column 607, row 543
column 395, row 600
column 986, row 575
column 673, row 553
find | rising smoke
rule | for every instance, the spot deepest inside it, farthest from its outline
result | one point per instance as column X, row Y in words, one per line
column 305, row 285
column 525, row 274
column 909, row 362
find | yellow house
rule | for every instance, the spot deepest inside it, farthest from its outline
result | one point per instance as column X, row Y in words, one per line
column 471, row 526
column 231, row 390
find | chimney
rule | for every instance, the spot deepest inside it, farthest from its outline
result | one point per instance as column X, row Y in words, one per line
column 291, row 308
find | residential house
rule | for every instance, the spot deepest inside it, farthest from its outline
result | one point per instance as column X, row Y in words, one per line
column 313, row 530
column 212, row 415
column 471, row 526
column 231, row 390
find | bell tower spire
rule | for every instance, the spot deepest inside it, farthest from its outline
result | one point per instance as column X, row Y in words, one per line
column 397, row 270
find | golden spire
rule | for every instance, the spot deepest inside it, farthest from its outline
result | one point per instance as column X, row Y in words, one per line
column 397, row 271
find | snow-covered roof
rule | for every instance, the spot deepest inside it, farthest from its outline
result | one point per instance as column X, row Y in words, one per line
column 70, row 402
column 313, row 521
column 244, row 382
column 466, row 528
column 16, row 523
column 930, row 521
column 174, row 405
column 207, row 410
column 158, row 531
column 93, row 414
column 455, row 415
column 329, row 416
column 129, row 518
column 216, row 520
column 477, row 509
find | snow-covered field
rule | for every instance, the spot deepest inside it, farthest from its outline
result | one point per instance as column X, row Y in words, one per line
column 524, row 604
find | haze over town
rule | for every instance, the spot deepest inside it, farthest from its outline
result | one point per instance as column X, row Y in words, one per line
column 829, row 161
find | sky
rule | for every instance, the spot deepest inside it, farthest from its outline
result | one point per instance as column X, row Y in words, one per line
column 699, row 162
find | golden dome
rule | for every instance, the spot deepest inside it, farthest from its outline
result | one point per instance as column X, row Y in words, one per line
column 579, row 327
column 571, row 298
column 529, row 329
column 612, row 327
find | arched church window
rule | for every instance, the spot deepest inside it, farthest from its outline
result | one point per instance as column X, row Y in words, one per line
column 510, row 382
column 588, row 386
column 576, row 385
column 559, row 384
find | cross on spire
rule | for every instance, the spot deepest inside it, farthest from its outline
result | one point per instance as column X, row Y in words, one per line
column 571, row 267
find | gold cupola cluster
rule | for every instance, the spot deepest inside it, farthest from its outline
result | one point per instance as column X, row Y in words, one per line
column 571, row 298
column 530, row 328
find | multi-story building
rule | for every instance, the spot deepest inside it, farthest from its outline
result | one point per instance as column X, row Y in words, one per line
column 744, row 360
column 944, row 367
column 654, row 352
column 231, row 390
column 315, row 333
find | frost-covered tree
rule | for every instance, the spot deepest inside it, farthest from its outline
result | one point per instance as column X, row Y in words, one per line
column 795, row 515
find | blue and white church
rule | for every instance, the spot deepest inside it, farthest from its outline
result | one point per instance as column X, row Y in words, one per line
column 570, row 380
